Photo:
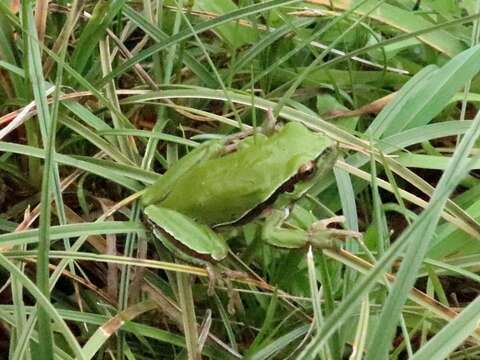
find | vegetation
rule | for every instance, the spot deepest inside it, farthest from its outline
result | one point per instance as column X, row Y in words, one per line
column 97, row 98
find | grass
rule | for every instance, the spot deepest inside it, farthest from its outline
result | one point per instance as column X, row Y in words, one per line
column 98, row 98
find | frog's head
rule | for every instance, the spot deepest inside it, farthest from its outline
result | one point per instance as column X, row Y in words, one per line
column 310, row 172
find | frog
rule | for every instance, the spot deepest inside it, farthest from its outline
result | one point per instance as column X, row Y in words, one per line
column 223, row 184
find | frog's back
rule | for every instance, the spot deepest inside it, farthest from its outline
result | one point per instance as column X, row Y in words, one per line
column 222, row 190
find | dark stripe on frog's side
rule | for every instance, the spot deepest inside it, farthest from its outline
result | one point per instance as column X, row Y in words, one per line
column 287, row 186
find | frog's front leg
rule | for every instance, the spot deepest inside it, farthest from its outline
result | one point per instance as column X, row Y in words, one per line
column 274, row 234
column 317, row 234
column 319, row 229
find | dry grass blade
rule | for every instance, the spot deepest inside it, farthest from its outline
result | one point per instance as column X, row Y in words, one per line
column 41, row 13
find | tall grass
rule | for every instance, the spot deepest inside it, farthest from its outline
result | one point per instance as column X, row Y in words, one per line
column 99, row 98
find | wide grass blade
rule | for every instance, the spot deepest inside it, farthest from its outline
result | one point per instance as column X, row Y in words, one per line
column 419, row 240
column 452, row 335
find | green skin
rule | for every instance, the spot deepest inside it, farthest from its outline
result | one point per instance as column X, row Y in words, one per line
column 208, row 188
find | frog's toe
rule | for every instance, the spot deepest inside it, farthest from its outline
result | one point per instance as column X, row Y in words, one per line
column 212, row 279
column 321, row 235
column 324, row 223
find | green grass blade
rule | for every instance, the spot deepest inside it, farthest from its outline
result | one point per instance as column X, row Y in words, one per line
column 418, row 244
column 46, row 305
column 206, row 25
column 452, row 335
column 48, row 134
column 70, row 230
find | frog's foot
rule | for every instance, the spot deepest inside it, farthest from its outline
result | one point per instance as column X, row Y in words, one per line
column 230, row 148
column 233, row 141
column 269, row 125
column 213, row 278
column 323, row 224
column 234, row 301
column 320, row 235
column 222, row 278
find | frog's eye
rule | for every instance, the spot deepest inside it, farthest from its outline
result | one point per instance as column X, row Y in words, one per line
column 306, row 170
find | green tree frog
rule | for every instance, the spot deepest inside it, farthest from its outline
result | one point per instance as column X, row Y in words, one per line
column 211, row 188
